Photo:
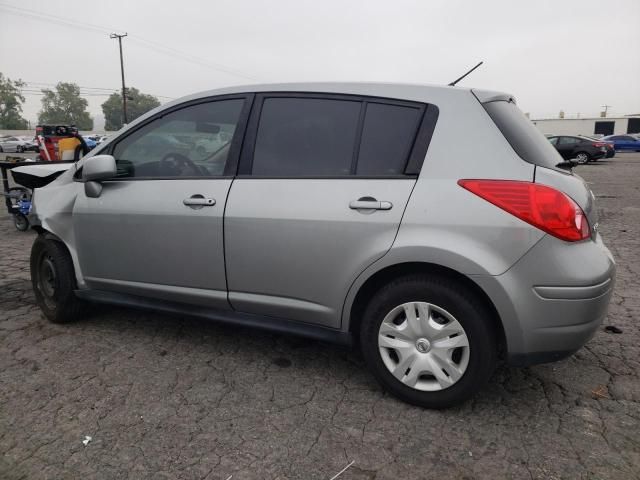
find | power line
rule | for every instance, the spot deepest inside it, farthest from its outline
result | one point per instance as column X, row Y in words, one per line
column 172, row 52
column 50, row 18
column 158, row 47
column 81, row 86
column 82, row 94
column 91, row 90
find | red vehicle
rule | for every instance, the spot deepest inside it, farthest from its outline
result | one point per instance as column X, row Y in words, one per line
column 48, row 138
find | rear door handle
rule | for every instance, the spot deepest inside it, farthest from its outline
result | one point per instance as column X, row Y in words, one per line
column 369, row 205
column 199, row 201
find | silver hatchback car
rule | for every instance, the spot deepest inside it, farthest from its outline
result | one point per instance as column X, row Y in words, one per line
column 432, row 226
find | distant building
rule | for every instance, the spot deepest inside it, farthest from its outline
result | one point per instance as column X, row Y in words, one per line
column 589, row 126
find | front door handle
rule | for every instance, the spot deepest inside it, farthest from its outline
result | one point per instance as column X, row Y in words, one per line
column 199, row 201
column 368, row 203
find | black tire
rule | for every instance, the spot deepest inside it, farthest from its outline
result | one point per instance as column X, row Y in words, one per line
column 53, row 280
column 19, row 149
column 467, row 308
column 1, row 150
column 21, row 222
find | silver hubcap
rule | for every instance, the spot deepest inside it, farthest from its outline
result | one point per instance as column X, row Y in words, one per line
column 423, row 346
column 582, row 158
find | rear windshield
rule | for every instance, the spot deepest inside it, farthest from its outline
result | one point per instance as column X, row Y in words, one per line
column 529, row 143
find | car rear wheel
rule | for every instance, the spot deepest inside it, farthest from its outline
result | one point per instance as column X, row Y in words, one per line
column 53, row 280
column 429, row 340
column 20, row 149
column 583, row 157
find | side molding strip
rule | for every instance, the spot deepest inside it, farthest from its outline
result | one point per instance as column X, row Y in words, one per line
column 273, row 324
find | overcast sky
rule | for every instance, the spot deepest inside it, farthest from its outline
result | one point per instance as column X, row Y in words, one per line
column 571, row 55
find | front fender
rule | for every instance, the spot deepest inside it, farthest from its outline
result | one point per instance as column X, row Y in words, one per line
column 53, row 212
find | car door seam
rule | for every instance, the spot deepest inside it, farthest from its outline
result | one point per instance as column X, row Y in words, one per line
column 224, row 241
column 395, row 237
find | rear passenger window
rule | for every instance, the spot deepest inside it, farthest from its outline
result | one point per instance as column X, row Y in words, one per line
column 301, row 137
column 387, row 138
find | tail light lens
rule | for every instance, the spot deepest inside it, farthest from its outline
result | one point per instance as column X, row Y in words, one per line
column 543, row 207
column 599, row 144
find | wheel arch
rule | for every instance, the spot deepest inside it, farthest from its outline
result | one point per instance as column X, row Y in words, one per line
column 48, row 235
column 383, row 276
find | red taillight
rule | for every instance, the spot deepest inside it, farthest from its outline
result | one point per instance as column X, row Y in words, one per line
column 543, row 207
column 599, row 144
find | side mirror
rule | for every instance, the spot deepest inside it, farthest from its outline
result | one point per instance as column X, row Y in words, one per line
column 95, row 170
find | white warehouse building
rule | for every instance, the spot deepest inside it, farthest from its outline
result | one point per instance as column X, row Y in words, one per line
column 589, row 126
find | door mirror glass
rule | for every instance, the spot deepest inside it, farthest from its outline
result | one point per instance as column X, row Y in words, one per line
column 98, row 168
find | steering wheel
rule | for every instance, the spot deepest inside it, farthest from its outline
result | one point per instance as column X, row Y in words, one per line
column 180, row 161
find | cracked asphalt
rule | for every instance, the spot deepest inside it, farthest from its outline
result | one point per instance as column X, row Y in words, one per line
column 176, row 398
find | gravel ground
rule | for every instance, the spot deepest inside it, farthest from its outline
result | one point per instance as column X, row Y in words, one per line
column 170, row 397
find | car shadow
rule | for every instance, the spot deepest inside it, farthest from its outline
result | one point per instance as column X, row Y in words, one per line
column 168, row 335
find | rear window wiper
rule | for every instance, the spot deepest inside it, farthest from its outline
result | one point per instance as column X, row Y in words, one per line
column 567, row 164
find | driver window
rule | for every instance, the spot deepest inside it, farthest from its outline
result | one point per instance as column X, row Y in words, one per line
column 191, row 142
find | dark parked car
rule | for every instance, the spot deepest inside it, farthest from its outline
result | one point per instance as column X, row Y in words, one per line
column 611, row 147
column 624, row 142
column 583, row 149
column 611, row 150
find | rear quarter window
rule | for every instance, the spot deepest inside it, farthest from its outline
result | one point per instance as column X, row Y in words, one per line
column 387, row 136
column 529, row 143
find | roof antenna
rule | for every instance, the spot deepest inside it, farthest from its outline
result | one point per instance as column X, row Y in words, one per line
column 453, row 84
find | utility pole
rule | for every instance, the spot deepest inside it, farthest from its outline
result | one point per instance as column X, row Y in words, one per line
column 606, row 108
column 124, row 90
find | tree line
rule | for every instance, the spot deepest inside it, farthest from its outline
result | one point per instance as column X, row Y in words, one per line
column 64, row 105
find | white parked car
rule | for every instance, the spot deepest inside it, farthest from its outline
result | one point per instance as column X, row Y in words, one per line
column 14, row 144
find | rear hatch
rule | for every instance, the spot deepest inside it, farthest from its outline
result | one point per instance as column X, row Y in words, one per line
column 532, row 146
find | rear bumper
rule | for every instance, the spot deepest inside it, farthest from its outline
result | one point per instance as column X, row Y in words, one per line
column 553, row 300
column 554, row 342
